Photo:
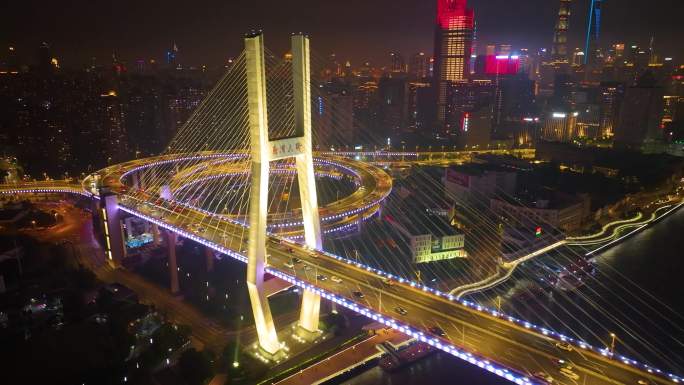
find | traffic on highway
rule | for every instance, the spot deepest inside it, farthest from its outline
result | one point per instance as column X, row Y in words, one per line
column 482, row 336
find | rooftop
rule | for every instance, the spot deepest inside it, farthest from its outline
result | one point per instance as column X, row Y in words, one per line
column 416, row 210
column 542, row 198
column 479, row 169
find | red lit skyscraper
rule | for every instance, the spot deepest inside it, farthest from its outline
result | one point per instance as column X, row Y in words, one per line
column 453, row 47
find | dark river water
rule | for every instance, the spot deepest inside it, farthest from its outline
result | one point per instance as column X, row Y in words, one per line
column 635, row 292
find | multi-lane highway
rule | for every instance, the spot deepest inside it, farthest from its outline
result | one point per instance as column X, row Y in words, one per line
column 487, row 335
column 481, row 336
column 46, row 186
column 494, row 337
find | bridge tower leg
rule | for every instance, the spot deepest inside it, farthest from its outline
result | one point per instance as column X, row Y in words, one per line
column 301, row 79
column 115, row 249
column 156, row 237
column 258, row 205
column 209, row 255
column 135, row 178
column 171, row 240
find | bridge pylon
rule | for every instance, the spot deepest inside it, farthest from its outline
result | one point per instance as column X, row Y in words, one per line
column 301, row 79
column 263, row 151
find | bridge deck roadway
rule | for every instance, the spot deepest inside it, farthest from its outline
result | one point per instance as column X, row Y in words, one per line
column 374, row 186
column 509, row 344
column 497, row 339
column 494, row 338
column 53, row 186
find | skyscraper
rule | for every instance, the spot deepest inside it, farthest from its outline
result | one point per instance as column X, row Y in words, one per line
column 593, row 32
column 640, row 115
column 559, row 50
column 453, row 47
column 44, row 58
column 171, row 56
column 419, row 67
column 397, row 62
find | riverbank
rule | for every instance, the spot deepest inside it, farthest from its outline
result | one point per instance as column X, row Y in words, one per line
column 617, row 231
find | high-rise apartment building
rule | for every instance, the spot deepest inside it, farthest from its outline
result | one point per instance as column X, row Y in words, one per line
column 394, row 99
column 333, row 115
column 611, row 96
column 397, row 62
column 419, row 66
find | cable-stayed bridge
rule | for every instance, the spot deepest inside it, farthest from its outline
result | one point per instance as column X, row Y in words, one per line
column 190, row 191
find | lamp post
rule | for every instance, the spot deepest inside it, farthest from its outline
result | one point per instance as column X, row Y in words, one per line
column 613, row 337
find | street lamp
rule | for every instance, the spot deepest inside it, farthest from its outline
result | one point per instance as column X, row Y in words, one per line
column 612, row 343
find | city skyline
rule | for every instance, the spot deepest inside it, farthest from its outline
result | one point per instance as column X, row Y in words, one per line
column 404, row 192
column 143, row 31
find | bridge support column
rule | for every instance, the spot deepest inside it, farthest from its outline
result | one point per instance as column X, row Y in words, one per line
column 156, row 238
column 115, row 249
column 135, row 178
column 129, row 227
column 310, row 311
column 171, row 239
column 209, row 254
column 165, row 192
column 301, row 79
column 258, row 205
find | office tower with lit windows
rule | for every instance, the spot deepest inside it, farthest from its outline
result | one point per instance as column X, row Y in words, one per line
column 453, row 47
column 560, row 126
column 559, row 50
column 610, row 100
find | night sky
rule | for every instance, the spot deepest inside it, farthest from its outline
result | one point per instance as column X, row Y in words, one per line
column 209, row 31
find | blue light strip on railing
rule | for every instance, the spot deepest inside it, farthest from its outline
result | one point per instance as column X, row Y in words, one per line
column 36, row 190
column 374, row 153
column 193, row 157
